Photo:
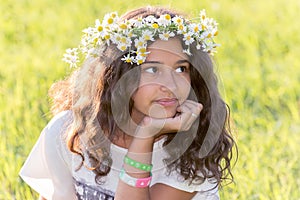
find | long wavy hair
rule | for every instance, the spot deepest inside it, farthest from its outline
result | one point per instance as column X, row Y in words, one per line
column 90, row 90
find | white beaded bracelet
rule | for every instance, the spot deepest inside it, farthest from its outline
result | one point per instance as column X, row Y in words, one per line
column 135, row 182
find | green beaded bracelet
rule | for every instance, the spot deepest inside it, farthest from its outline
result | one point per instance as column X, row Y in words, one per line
column 138, row 165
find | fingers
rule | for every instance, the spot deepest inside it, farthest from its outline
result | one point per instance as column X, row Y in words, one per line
column 190, row 108
column 188, row 113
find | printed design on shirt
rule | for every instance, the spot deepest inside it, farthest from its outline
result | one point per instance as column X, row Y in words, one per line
column 85, row 191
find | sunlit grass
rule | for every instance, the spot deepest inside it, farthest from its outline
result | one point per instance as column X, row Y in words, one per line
column 258, row 64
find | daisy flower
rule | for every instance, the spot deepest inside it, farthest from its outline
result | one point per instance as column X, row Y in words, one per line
column 166, row 35
column 177, row 20
column 181, row 29
column 128, row 58
column 137, row 22
column 164, row 20
column 202, row 15
column 150, row 19
column 194, row 28
column 139, row 42
column 188, row 38
column 142, row 52
column 71, row 57
column 122, row 47
column 110, row 19
column 140, row 59
column 147, row 35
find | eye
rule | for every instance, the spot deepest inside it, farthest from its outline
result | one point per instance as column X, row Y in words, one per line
column 152, row 70
column 181, row 69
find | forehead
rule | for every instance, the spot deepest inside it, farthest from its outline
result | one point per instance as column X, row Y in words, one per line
column 166, row 51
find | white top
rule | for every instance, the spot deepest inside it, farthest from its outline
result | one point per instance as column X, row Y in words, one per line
column 50, row 169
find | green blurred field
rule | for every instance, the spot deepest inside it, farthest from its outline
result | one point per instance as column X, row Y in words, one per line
column 258, row 64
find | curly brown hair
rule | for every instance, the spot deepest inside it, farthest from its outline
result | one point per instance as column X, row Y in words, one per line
column 89, row 93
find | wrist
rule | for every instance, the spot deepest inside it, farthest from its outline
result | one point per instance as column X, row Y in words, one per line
column 144, row 134
column 135, row 182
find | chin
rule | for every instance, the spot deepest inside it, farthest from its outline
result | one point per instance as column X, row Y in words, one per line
column 164, row 115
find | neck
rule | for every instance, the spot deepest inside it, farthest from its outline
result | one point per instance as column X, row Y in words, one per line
column 124, row 140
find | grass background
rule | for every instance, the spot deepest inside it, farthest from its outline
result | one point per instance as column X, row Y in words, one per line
column 258, row 64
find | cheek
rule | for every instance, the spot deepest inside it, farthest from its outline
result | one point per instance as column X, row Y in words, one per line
column 184, row 87
column 141, row 94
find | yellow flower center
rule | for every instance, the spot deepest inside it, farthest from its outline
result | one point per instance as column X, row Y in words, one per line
column 123, row 40
column 123, row 48
column 123, row 26
column 113, row 15
column 140, row 43
column 180, row 27
column 139, row 61
column 107, row 37
column 142, row 50
column 188, row 37
column 155, row 25
column 147, row 37
column 178, row 20
column 167, row 17
column 216, row 33
column 118, row 38
column 100, row 28
column 203, row 27
column 196, row 29
column 110, row 20
column 209, row 35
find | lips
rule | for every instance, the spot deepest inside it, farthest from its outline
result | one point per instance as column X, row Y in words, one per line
column 167, row 101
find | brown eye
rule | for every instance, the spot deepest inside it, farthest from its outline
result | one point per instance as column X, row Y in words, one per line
column 181, row 69
column 151, row 70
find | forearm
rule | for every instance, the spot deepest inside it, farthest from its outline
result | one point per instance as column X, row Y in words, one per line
column 139, row 150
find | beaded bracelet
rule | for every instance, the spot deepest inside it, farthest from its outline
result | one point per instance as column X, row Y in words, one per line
column 135, row 182
column 138, row 165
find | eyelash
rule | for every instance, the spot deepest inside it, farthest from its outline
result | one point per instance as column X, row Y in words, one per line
column 148, row 68
column 184, row 68
column 155, row 69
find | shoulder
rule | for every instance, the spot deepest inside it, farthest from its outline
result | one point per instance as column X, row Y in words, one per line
column 47, row 169
column 56, row 129
column 55, row 135
column 60, row 121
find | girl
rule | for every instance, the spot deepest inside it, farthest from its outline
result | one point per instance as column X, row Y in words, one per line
column 141, row 119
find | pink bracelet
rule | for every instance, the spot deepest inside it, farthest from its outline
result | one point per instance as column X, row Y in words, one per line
column 135, row 182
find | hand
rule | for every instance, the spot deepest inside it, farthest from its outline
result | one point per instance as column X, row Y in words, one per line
column 187, row 113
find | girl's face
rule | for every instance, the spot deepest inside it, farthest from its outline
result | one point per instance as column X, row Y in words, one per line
column 165, row 81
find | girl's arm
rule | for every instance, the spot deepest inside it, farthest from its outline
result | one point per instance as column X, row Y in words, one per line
column 42, row 198
column 157, row 191
column 141, row 149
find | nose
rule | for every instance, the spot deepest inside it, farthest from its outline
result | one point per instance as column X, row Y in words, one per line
column 168, row 82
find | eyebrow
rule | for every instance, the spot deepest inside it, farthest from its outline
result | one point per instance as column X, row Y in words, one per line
column 157, row 62
column 182, row 61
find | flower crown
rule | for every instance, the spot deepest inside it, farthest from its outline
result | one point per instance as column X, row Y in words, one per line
column 137, row 32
